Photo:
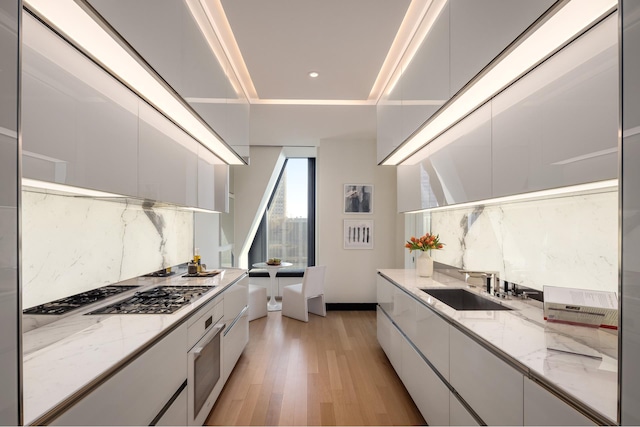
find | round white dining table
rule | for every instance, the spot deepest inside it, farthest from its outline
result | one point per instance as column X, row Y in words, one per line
column 273, row 305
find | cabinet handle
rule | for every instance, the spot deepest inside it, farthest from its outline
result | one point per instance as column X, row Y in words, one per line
column 196, row 351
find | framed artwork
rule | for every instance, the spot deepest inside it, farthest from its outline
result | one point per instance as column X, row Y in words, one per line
column 358, row 234
column 358, row 198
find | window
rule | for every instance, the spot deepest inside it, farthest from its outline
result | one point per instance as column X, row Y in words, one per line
column 287, row 230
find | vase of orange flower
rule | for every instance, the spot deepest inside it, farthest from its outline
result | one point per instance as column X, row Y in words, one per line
column 424, row 263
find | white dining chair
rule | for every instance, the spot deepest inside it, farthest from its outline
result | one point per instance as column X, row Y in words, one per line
column 307, row 297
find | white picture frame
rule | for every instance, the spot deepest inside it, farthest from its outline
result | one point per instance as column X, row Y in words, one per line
column 358, row 199
column 358, row 234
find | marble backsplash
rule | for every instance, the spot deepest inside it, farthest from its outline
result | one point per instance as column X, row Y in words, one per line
column 74, row 244
column 569, row 241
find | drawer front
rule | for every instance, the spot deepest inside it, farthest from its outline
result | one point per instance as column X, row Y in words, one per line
column 137, row 393
column 385, row 292
column 235, row 340
column 432, row 338
column 542, row 408
column 211, row 314
column 489, row 385
column 428, row 392
column 236, row 299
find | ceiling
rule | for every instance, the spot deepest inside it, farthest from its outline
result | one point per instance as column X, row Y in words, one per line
column 345, row 41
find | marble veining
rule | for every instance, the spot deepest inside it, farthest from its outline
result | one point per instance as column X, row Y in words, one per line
column 524, row 336
column 568, row 241
column 62, row 357
column 74, row 244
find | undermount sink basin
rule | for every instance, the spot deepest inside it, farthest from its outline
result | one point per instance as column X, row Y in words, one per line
column 460, row 299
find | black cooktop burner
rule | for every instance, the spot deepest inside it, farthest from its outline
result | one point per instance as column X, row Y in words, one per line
column 65, row 305
column 159, row 300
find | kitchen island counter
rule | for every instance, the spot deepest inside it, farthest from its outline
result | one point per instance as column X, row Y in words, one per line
column 65, row 359
column 521, row 337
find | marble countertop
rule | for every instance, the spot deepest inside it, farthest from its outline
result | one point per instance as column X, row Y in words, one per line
column 61, row 358
column 523, row 336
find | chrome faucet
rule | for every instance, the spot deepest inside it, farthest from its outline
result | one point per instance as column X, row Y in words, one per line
column 491, row 279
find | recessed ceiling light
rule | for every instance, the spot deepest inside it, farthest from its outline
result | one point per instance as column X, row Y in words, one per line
column 313, row 74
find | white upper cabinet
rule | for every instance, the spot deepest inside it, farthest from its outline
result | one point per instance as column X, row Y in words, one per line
column 170, row 40
column 79, row 124
column 464, row 38
column 558, row 125
column 480, row 30
column 426, row 79
column 168, row 167
column 455, row 168
column 213, row 182
column 389, row 118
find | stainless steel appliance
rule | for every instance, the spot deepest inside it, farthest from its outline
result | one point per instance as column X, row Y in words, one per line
column 73, row 302
column 158, row 300
column 204, row 369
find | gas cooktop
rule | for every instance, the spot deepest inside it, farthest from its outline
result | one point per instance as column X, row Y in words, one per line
column 158, row 300
column 73, row 302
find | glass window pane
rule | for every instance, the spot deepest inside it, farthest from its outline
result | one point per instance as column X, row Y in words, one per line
column 287, row 217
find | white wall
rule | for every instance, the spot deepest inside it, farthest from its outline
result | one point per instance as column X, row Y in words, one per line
column 351, row 273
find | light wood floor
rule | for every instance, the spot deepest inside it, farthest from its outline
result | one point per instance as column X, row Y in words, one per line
column 330, row 371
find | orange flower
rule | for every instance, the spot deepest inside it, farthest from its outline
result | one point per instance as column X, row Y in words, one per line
column 424, row 243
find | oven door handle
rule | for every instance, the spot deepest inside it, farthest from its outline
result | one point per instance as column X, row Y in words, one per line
column 218, row 328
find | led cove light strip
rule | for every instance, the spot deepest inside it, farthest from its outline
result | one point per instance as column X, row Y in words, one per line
column 68, row 189
column 552, row 34
column 69, row 18
column 576, row 190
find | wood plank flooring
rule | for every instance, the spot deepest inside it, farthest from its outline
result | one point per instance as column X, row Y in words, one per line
column 330, row 371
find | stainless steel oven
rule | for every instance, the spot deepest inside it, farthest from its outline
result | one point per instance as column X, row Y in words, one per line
column 204, row 381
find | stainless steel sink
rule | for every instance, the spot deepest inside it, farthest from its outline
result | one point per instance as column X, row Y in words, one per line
column 460, row 299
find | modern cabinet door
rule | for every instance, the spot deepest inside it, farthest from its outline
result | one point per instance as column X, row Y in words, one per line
column 558, row 125
column 404, row 313
column 207, row 162
column 79, row 124
column 176, row 415
column 460, row 160
column 479, row 31
column 541, row 408
column 426, row 78
column 390, row 340
column 168, row 166
column 432, row 339
column 383, row 330
column 490, row 386
column 389, row 118
column 385, row 291
column 428, row 392
column 137, row 393
column 458, row 414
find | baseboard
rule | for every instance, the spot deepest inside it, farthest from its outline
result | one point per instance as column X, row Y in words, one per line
column 351, row 306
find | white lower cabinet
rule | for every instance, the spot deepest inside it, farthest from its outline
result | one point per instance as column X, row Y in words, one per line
column 458, row 414
column 541, row 408
column 428, row 392
column 383, row 325
column 432, row 339
column 176, row 415
column 390, row 340
column 235, row 340
column 489, row 385
column 496, row 392
column 136, row 393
